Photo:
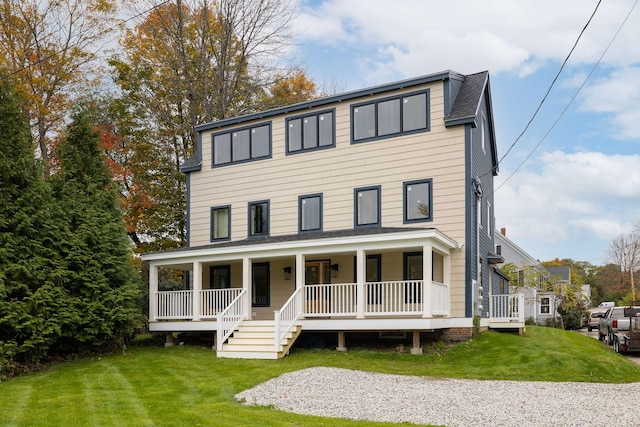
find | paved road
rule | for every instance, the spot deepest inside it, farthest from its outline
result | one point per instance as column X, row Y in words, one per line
column 634, row 357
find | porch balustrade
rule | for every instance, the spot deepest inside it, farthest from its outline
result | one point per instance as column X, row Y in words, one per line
column 229, row 319
column 507, row 307
column 174, row 305
column 286, row 317
column 213, row 301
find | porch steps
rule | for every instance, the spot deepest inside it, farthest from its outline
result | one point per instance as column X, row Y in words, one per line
column 254, row 339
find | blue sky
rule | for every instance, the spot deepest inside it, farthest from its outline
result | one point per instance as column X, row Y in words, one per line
column 581, row 188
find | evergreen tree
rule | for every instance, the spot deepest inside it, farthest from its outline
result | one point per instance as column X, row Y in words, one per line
column 99, row 276
column 29, row 297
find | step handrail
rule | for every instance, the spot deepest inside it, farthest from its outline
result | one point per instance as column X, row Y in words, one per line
column 230, row 318
column 286, row 317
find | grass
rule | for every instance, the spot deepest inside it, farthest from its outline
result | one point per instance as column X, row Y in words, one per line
column 148, row 385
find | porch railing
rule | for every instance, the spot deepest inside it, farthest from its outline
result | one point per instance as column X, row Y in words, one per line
column 507, row 307
column 286, row 317
column 174, row 305
column 337, row 299
column 230, row 318
column 439, row 299
column 391, row 298
column 213, row 301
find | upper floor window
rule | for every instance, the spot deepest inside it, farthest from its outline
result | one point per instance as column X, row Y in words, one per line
column 418, row 201
column 310, row 132
column 259, row 218
column 221, row 223
column 367, row 206
column 483, row 133
column 390, row 116
column 310, row 213
column 242, row 145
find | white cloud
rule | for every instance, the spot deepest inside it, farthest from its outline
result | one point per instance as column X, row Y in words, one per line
column 571, row 198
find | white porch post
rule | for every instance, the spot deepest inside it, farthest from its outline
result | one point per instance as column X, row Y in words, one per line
column 246, row 284
column 446, row 277
column 360, row 279
column 197, row 289
column 299, row 271
column 153, row 290
column 427, row 273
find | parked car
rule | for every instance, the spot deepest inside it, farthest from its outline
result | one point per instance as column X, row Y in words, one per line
column 613, row 321
column 594, row 319
column 607, row 304
column 628, row 340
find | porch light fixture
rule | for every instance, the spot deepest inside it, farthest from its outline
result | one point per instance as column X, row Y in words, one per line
column 287, row 273
column 334, row 270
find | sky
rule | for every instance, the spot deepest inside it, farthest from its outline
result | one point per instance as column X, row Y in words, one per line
column 580, row 188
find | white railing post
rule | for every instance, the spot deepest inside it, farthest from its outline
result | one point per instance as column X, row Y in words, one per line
column 153, row 291
column 197, row 289
column 360, row 285
column 276, row 316
column 219, row 332
column 427, row 273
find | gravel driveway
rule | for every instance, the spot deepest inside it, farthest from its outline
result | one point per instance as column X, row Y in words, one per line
column 342, row 393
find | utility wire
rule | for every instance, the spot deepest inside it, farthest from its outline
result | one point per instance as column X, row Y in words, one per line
column 26, row 67
column 575, row 95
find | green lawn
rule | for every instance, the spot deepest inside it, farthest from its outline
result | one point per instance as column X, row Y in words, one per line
column 180, row 386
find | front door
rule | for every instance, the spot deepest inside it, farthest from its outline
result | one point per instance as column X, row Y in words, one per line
column 317, row 273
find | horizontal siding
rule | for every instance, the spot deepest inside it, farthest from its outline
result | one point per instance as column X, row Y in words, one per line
column 335, row 172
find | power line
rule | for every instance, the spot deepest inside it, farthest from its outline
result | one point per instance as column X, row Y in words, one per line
column 593, row 69
column 544, row 98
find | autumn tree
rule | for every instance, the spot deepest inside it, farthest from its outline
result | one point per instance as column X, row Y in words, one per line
column 624, row 251
column 51, row 49
column 289, row 89
column 184, row 64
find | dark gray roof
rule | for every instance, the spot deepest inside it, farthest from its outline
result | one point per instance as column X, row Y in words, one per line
column 365, row 231
column 563, row 272
column 467, row 102
column 193, row 163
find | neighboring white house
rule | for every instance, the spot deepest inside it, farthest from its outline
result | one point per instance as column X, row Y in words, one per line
column 365, row 211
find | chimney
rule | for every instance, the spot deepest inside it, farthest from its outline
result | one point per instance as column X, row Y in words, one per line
column 503, row 231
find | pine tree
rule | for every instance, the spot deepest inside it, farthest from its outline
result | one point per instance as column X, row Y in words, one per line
column 99, row 276
column 29, row 296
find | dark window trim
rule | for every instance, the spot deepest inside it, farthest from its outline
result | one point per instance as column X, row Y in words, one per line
column 378, row 189
column 405, row 276
column 405, row 220
column 251, row 158
column 261, row 264
column 300, row 199
column 222, row 239
column 267, row 225
column 212, row 268
column 392, row 135
column 303, row 116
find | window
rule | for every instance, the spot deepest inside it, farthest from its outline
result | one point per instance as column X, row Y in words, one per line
column 489, row 220
column 310, row 213
column 260, row 284
column 544, row 305
column 413, row 272
column 259, row 218
column 367, row 206
column 242, row 145
column 221, row 223
column 417, row 201
column 373, row 274
column 390, row 116
column 220, row 277
column 483, row 133
column 310, row 132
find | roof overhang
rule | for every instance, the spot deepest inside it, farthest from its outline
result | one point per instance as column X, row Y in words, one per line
column 406, row 239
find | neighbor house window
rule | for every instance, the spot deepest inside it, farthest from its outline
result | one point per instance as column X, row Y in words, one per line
column 310, row 213
column 390, row 117
column 484, row 133
column 242, row 145
column 220, row 223
column 220, row 276
column 417, row 201
column 260, row 284
column 259, row 218
column 367, row 206
column 311, row 132
column 544, row 305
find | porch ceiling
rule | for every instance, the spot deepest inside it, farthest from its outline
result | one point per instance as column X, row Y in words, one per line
column 338, row 241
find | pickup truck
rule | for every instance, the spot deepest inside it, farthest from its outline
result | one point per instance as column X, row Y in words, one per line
column 613, row 321
column 628, row 340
